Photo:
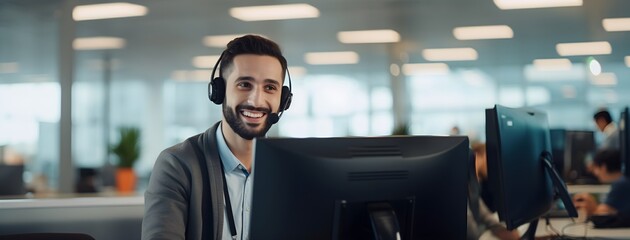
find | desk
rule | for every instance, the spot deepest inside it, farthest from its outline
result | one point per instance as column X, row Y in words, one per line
column 573, row 231
column 578, row 230
column 104, row 218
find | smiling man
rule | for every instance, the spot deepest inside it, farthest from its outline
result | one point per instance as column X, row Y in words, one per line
column 202, row 188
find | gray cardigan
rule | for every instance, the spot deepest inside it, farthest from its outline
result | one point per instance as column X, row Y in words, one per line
column 178, row 194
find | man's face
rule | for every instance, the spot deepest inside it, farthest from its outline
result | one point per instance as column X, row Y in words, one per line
column 253, row 89
column 601, row 124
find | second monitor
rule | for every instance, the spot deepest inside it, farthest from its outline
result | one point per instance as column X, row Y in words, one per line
column 522, row 178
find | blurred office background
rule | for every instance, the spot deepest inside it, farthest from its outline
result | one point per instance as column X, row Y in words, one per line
column 71, row 75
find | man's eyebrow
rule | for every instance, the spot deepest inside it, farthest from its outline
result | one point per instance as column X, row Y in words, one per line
column 251, row 79
column 272, row 81
column 245, row 78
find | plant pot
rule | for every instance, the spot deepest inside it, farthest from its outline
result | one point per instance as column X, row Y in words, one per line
column 125, row 180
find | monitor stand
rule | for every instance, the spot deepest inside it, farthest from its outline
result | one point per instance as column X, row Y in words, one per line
column 384, row 221
column 559, row 188
column 380, row 219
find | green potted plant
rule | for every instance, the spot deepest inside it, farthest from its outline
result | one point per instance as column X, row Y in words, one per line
column 127, row 150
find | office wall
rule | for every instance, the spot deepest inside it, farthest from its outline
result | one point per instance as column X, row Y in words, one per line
column 153, row 83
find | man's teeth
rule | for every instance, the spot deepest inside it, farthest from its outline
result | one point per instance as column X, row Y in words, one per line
column 252, row 114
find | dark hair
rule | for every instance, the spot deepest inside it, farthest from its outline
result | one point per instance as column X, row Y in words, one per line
column 251, row 44
column 603, row 114
column 611, row 158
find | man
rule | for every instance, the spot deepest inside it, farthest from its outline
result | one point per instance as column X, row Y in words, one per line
column 605, row 124
column 607, row 168
column 182, row 200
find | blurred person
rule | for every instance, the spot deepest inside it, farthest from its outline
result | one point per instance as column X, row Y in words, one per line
column 607, row 126
column 181, row 201
column 481, row 171
column 481, row 160
column 607, row 168
column 11, row 156
column 480, row 218
column 454, row 131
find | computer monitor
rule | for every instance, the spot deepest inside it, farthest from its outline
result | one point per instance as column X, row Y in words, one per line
column 11, row 181
column 345, row 188
column 558, row 142
column 624, row 140
column 579, row 152
column 520, row 168
column 572, row 151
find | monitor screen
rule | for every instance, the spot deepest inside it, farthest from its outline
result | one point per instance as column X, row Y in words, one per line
column 579, row 151
column 572, row 152
column 329, row 188
column 624, row 137
column 558, row 142
column 520, row 165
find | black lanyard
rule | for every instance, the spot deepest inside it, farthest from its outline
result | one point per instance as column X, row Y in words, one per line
column 230, row 213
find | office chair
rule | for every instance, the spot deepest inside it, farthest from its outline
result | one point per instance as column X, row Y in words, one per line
column 47, row 236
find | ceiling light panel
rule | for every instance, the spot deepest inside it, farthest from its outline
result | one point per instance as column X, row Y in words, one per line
column 425, row 69
column 297, row 71
column 584, row 48
column 522, row 4
column 483, row 32
column 274, row 12
column 205, row 61
column 369, row 36
column 324, row 58
column 220, row 41
column 191, row 75
column 604, row 79
column 554, row 64
column 98, row 43
column 554, row 72
column 108, row 10
column 450, row 54
column 616, row 24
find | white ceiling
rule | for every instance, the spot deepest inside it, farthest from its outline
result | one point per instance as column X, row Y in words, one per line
column 171, row 34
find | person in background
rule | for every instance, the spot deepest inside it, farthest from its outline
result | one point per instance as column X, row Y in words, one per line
column 454, row 131
column 607, row 126
column 481, row 219
column 607, row 168
column 481, row 170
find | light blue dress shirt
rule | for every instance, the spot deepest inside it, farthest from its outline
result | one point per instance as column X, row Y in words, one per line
column 239, row 183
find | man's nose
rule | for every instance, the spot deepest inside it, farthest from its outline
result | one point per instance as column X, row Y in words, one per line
column 256, row 97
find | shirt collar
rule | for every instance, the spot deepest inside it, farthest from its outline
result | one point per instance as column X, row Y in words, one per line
column 230, row 162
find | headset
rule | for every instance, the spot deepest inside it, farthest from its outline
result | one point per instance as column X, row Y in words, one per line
column 216, row 91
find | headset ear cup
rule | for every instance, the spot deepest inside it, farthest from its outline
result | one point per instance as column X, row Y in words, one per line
column 216, row 90
column 285, row 98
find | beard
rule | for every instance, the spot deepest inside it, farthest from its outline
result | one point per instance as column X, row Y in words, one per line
column 245, row 130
